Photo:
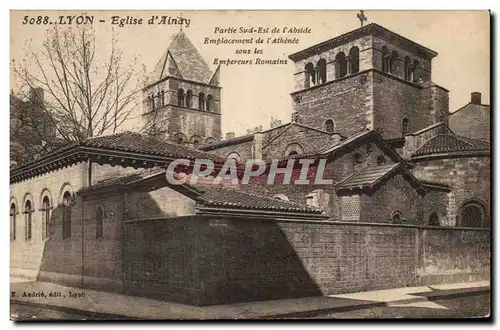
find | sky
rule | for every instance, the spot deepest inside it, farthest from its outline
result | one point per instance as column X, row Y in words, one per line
column 252, row 95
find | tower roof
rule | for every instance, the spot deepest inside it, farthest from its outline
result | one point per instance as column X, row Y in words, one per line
column 182, row 60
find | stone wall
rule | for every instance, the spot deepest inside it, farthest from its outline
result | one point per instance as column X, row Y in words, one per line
column 469, row 178
column 472, row 121
column 204, row 261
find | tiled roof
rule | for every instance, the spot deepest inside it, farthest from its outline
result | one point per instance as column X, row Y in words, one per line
column 212, row 195
column 444, row 143
column 346, row 141
column 228, row 197
column 367, row 177
column 187, row 60
column 126, row 179
column 144, row 144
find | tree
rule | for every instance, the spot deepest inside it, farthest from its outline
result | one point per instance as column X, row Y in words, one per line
column 85, row 94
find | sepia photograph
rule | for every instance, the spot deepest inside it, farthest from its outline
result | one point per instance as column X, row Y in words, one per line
column 250, row 165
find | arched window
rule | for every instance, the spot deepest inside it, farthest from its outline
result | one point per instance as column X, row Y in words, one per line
column 433, row 219
column 201, row 101
column 195, row 140
column 329, row 126
column 189, row 98
column 66, row 215
column 180, row 138
column 414, row 71
column 13, row 213
column 408, row 69
column 310, row 76
column 28, row 210
column 45, row 216
column 394, row 62
column 180, row 97
column 354, row 60
column 209, row 140
column 210, row 100
column 293, row 149
column 341, row 65
column 385, row 59
column 98, row 222
column 234, row 155
column 473, row 215
column 404, row 126
column 321, row 68
column 396, row 217
column 380, row 160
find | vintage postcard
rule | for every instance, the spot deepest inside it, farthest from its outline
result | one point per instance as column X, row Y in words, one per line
column 173, row 165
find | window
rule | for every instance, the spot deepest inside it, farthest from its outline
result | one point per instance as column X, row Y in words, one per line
column 234, row 155
column 98, row 222
column 180, row 138
column 209, row 140
column 354, row 60
column 394, row 62
column 414, row 71
column 189, row 98
column 341, row 65
column 195, row 140
column 28, row 210
column 380, row 160
column 473, row 215
column 149, row 104
column 13, row 212
column 408, row 69
column 385, row 59
column 397, row 217
column 180, row 97
column 404, row 126
column 310, row 76
column 329, row 126
column 293, row 149
column 45, row 217
column 66, row 215
column 433, row 219
column 201, row 101
column 210, row 99
column 161, row 98
column 321, row 68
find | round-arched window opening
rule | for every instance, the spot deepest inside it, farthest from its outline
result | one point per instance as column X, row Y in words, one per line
column 473, row 215
column 293, row 153
column 433, row 219
column 329, row 126
column 397, row 217
column 380, row 160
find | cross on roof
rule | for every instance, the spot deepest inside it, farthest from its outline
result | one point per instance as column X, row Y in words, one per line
column 361, row 16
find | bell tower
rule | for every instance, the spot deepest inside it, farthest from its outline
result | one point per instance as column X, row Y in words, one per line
column 182, row 96
column 368, row 78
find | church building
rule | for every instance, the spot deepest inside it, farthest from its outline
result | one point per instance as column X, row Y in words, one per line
column 408, row 182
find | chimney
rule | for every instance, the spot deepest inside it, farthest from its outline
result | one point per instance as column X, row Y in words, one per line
column 257, row 146
column 230, row 135
column 475, row 98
